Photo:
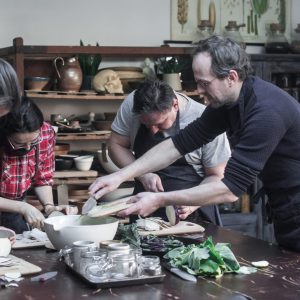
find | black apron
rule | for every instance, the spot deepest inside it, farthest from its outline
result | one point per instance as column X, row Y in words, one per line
column 285, row 214
column 177, row 176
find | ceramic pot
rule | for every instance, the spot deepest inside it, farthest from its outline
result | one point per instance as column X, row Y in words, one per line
column 68, row 73
column 173, row 80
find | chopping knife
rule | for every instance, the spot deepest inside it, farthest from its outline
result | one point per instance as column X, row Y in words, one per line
column 180, row 273
column 44, row 277
column 89, row 205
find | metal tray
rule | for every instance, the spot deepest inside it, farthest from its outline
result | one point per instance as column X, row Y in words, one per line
column 110, row 283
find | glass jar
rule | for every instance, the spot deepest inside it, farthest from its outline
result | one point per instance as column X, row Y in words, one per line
column 123, row 265
column 276, row 41
column 95, row 265
column 232, row 31
column 205, row 30
column 151, row 265
column 295, row 45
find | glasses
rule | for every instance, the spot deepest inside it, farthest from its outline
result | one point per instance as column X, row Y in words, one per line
column 204, row 84
column 25, row 145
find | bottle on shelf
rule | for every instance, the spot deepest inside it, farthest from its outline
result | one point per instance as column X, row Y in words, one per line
column 205, row 30
column 295, row 45
column 232, row 31
column 276, row 41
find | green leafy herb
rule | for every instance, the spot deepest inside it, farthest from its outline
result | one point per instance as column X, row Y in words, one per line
column 159, row 244
column 204, row 259
column 129, row 234
column 168, row 65
column 89, row 63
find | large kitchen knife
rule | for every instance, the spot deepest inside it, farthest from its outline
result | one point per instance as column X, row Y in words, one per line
column 180, row 273
column 184, row 275
column 89, row 205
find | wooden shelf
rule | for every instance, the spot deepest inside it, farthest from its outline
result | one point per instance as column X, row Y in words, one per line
column 94, row 135
column 54, row 95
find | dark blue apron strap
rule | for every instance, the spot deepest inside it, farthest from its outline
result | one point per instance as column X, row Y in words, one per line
column 265, row 207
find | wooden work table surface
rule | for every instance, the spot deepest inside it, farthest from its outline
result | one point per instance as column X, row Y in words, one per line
column 281, row 280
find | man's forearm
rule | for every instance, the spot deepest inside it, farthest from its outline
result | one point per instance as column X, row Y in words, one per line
column 157, row 158
column 214, row 192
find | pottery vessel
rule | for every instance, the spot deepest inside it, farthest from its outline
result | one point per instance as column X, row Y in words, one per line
column 69, row 74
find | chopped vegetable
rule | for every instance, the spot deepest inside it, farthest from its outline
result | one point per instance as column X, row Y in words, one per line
column 147, row 224
column 159, row 244
column 260, row 264
column 172, row 215
column 204, row 259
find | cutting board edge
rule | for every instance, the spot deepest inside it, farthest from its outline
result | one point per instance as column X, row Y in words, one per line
column 175, row 230
column 27, row 267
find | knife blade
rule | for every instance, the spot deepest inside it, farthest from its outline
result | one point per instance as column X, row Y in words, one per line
column 184, row 275
column 88, row 205
column 44, row 277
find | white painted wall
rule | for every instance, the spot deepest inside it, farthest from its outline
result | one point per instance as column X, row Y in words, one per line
column 65, row 22
column 108, row 22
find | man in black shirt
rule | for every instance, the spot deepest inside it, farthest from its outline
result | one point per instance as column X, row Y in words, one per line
column 263, row 126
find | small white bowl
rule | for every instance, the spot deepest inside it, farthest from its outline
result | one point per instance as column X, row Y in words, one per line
column 83, row 163
column 105, row 161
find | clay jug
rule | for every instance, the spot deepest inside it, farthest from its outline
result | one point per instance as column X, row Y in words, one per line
column 69, row 74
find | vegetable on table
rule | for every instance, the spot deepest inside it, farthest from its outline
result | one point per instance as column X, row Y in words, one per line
column 172, row 215
column 260, row 264
column 206, row 259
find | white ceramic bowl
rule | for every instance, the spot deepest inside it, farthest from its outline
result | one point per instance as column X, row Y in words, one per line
column 64, row 230
column 105, row 160
column 5, row 247
column 83, row 163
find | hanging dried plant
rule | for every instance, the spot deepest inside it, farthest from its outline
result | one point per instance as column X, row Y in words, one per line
column 260, row 6
column 182, row 12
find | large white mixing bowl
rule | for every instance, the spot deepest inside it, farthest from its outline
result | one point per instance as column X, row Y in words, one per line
column 64, row 230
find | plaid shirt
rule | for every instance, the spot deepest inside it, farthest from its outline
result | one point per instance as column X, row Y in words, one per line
column 19, row 173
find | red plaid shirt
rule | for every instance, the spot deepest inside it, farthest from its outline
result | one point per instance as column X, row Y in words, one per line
column 18, row 173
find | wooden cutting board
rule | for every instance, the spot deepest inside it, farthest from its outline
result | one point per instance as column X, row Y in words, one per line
column 21, row 265
column 19, row 244
column 180, row 228
column 109, row 208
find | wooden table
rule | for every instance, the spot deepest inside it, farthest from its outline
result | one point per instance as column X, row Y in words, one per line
column 281, row 280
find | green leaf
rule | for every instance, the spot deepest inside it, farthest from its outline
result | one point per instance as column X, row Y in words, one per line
column 204, row 259
column 228, row 257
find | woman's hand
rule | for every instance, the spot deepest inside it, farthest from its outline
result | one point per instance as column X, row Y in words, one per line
column 32, row 215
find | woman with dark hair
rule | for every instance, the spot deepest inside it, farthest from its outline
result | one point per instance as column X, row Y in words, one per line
column 27, row 160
